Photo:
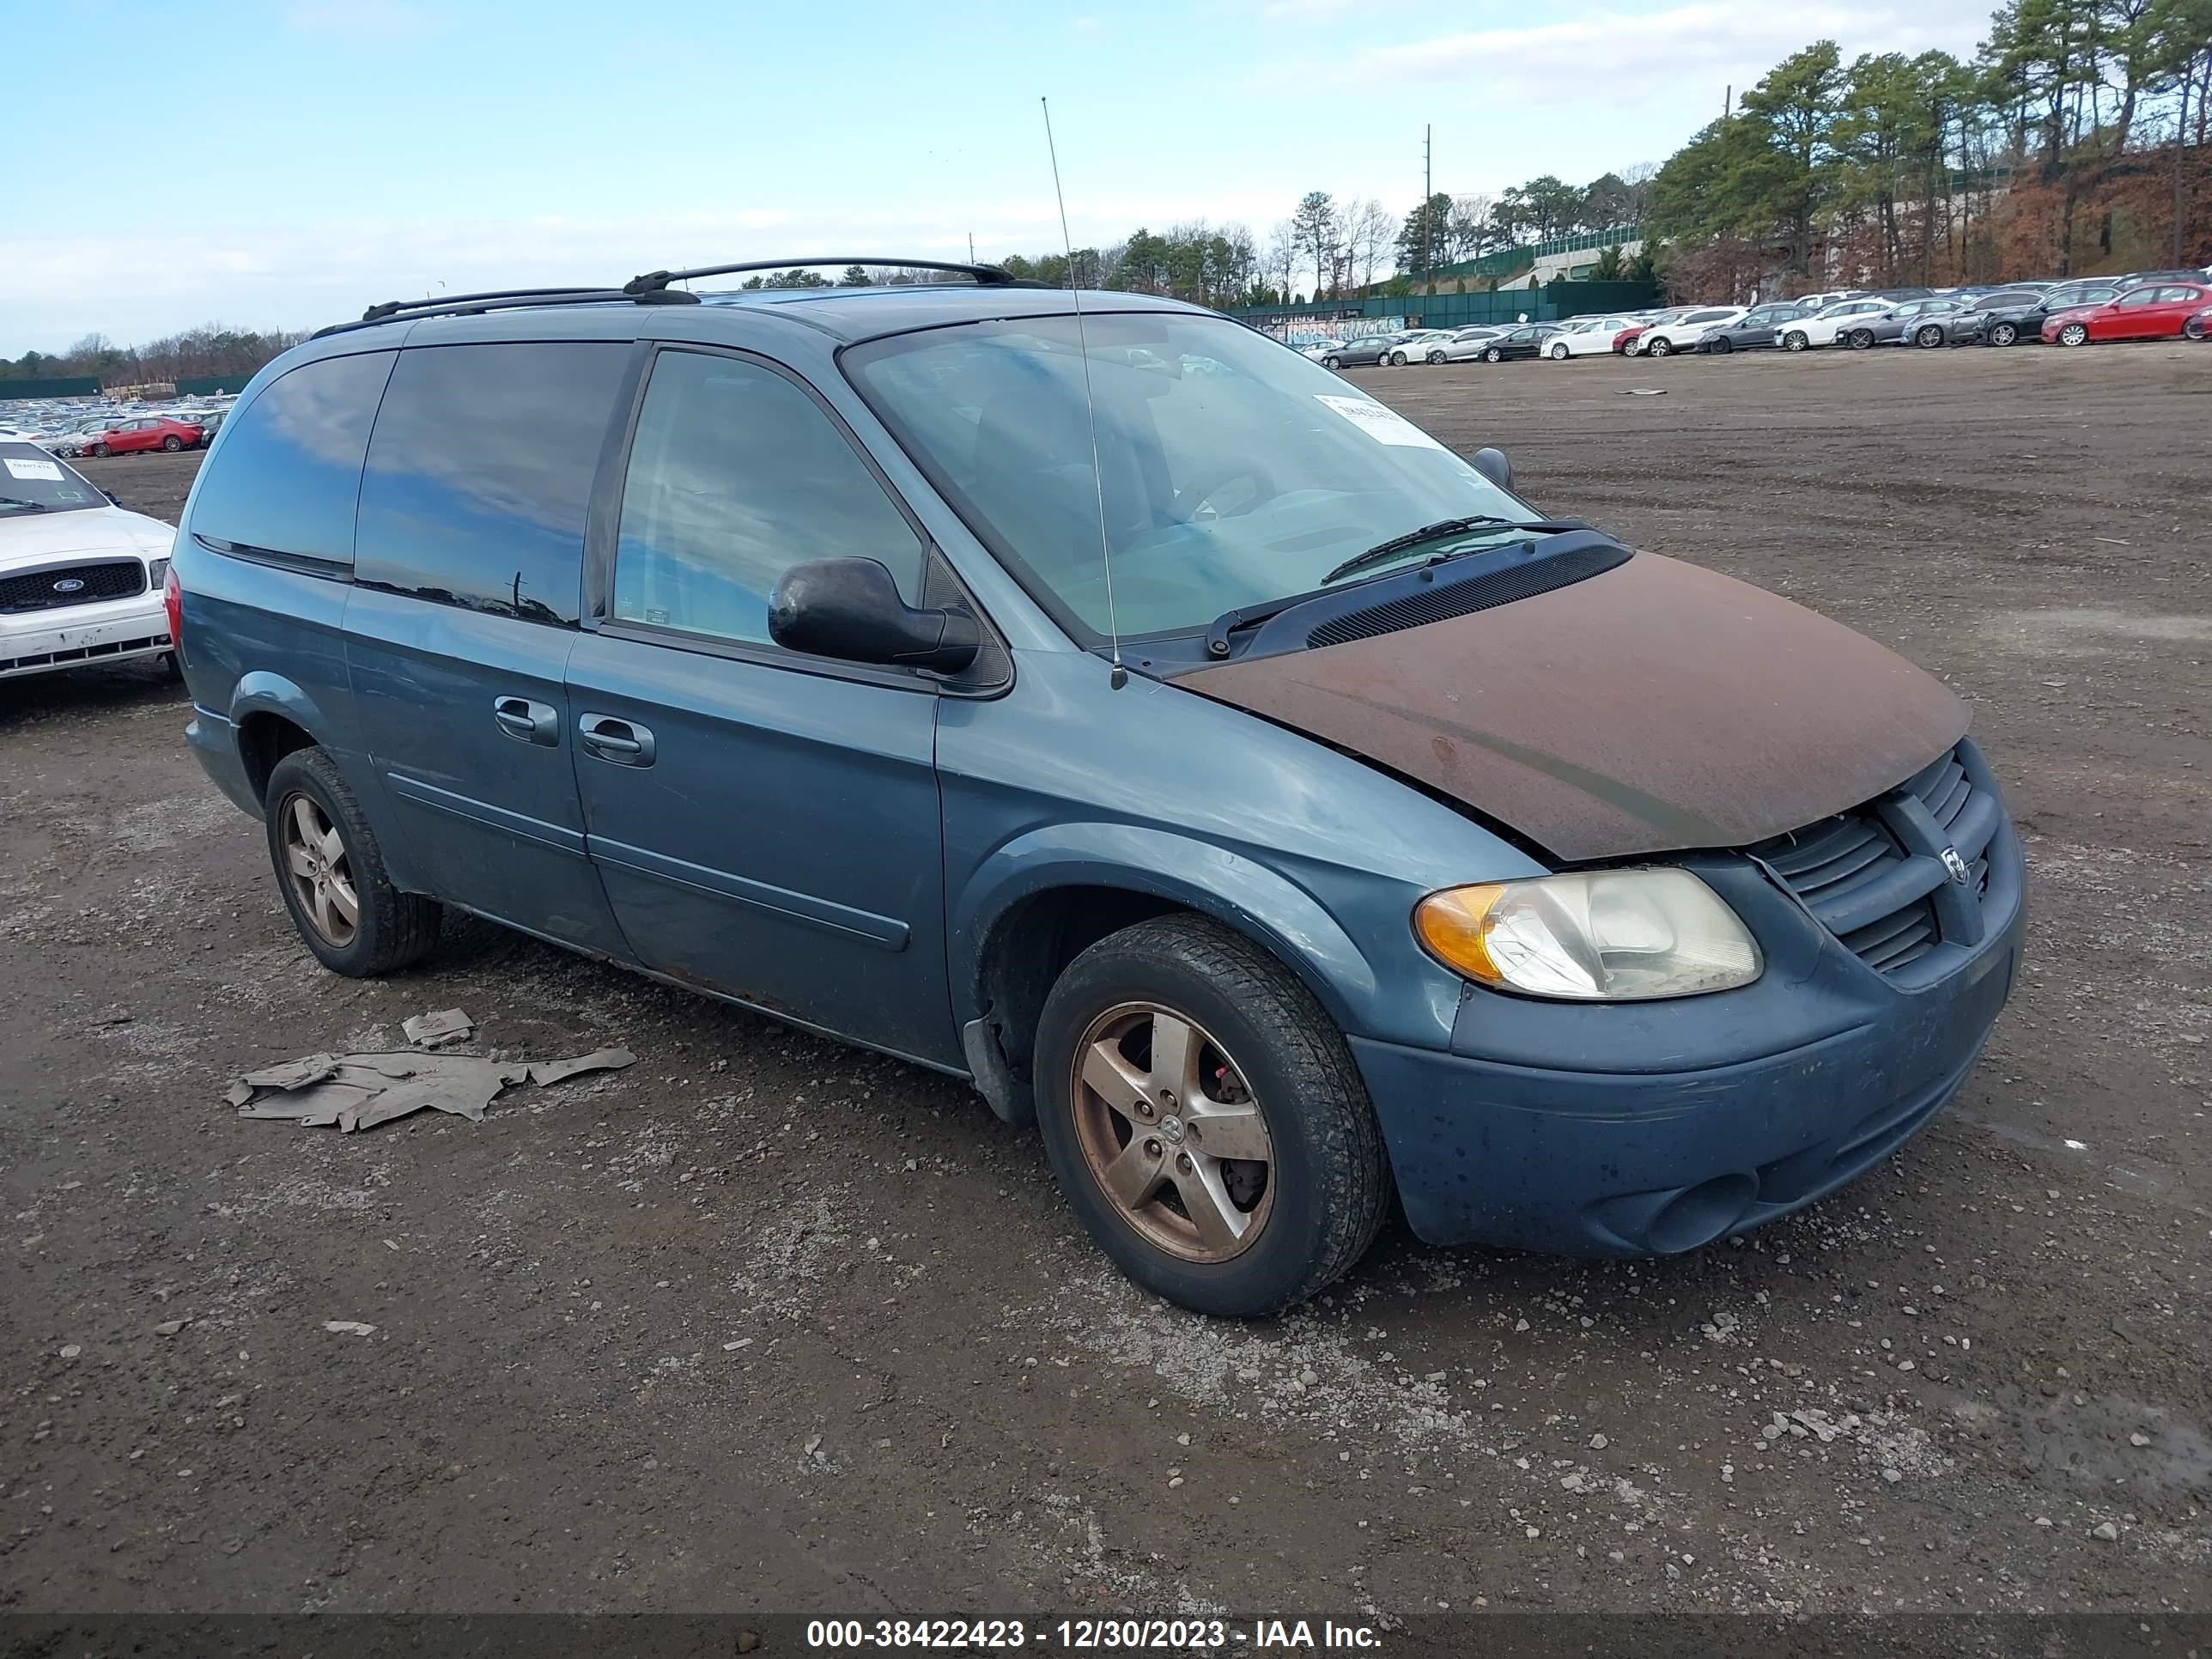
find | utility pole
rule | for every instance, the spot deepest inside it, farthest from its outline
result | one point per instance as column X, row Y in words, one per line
column 1428, row 193
column 1728, row 101
column 971, row 247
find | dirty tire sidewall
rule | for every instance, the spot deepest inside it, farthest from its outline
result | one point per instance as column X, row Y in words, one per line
column 394, row 929
column 1331, row 1181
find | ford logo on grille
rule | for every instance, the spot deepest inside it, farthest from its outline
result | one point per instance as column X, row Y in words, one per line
column 1961, row 872
column 68, row 584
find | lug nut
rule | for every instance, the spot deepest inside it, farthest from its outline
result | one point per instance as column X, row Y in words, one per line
column 1182, row 1162
column 1153, row 1147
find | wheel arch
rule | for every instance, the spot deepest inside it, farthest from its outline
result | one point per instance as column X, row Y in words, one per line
column 273, row 718
column 1044, row 898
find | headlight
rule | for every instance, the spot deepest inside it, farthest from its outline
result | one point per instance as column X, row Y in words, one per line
column 1596, row 936
column 157, row 571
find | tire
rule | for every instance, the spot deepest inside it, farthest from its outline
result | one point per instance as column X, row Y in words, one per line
column 1795, row 340
column 1661, row 347
column 1723, row 346
column 2002, row 334
column 1860, row 339
column 390, row 929
column 1332, row 362
column 172, row 443
column 172, row 670
column 99, row 449
column 1324, row 1185
column 1492, row 355
column 2074, row 334
column 1435, row 357
column 1929, row 337
column 1559, row 352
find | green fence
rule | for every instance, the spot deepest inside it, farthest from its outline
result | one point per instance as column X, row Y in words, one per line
column 202, row 386
column 1547, row 304
column 83, row 386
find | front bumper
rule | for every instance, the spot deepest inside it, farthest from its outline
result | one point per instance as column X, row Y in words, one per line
column 1652, row 1128
column 113, row 630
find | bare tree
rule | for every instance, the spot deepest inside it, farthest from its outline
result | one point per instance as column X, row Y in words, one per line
column 1369, row 230
column 1282, row 258
column 1468, row 227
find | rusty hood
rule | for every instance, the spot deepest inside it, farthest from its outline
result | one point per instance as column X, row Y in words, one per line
column 1653, row 707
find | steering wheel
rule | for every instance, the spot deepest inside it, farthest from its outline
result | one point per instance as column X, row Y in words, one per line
column 1195, row 494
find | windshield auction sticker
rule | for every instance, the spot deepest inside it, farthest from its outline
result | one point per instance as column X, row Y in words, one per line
column 50, row 470
column 1385, row 425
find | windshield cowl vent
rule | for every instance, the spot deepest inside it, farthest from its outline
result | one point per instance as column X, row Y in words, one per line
column 1542, row 576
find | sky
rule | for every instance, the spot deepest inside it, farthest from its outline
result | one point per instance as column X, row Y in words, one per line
column 283, row 163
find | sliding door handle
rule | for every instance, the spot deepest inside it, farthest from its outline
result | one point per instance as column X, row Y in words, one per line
column 622, row 743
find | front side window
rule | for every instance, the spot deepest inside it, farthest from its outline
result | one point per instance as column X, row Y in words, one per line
column 480, row 473
column 735, row 476
column 31, row 481
column 2142, row 296
column 289, row 473
column 1223, row 490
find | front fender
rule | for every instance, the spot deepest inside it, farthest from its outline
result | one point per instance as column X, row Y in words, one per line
column 1212, row 879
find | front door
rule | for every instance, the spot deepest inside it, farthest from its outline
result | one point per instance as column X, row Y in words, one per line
column 468, row 566
column 766, row 824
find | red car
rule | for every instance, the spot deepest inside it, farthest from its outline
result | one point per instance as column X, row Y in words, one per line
column 2156, row 311
column 145, row 432
column 1620, row 340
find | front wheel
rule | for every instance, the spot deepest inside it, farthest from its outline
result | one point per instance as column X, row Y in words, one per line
column 1860, row 339
column 2073, row 334
column 100, row 449
column 2003, row 334
column 1332, row 362
column 1722, row 345
column 1206, row 1120
column 1929, row 337
column 1435, row 357
column 1659, row 348
column 1795, row 340
column 1559, row 352
column 330, row 871
column 1493, row 356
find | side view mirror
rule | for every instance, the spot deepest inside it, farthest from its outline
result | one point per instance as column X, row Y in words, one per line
column 1493, row 466
column 850, row 609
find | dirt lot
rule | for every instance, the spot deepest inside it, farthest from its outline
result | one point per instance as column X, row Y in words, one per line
column 764, row 1325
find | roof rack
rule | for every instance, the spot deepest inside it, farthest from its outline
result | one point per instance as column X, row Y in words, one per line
column 513, row 299
column 657, row 281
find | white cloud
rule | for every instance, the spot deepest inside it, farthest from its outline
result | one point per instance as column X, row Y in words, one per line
column 1617, row 58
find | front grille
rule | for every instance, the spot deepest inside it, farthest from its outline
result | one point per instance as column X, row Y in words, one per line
column 1875, row 877
column 53, row 589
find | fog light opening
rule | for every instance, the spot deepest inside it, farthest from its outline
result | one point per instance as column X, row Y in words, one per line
column 1698, row 1215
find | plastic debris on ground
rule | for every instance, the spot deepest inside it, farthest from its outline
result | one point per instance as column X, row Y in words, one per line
column 437, row 1030
column 358, row 1092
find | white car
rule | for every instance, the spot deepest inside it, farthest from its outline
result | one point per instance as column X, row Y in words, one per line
column 1586, row 337
column 81, row 580
column 1821, row 328
column 1662, row 339
column 1467, row 344
column 1422, row 345
column 1319, row 349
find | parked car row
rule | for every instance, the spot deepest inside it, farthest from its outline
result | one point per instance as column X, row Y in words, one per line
column 2142, row 306
column 75, row 427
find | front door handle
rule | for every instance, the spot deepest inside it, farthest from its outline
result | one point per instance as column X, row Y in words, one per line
column 526, row 721
column 623, row 743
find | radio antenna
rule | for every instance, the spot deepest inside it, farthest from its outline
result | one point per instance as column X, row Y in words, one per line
column 1120, row 677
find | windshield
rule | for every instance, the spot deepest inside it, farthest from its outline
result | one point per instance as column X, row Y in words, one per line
column 31, row 481
column 1223, row 488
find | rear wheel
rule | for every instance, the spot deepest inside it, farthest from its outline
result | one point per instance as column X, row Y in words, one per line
column 2002, row 334
column 330, row 871
column 2074, row 334
column 1206, row 1120
column 172, row 443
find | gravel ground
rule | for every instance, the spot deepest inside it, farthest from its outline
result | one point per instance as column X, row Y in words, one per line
column 765, row 1325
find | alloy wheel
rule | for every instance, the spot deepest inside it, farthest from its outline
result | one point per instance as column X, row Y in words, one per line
column 2073, row 335
column 1659, row 348
column 1172, row 1133
column 316, row 865
column 2003, row 334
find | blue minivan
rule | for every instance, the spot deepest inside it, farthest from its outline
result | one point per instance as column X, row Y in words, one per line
column 1093, row 699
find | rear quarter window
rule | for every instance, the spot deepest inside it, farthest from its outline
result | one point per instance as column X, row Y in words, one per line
column 480, row 473
column 289, row 473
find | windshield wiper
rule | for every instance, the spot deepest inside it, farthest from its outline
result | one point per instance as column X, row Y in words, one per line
column 1383, row 551
column 17, row 500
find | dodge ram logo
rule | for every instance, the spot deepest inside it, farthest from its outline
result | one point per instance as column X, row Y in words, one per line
column 1960, row 871
column 68, row 584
